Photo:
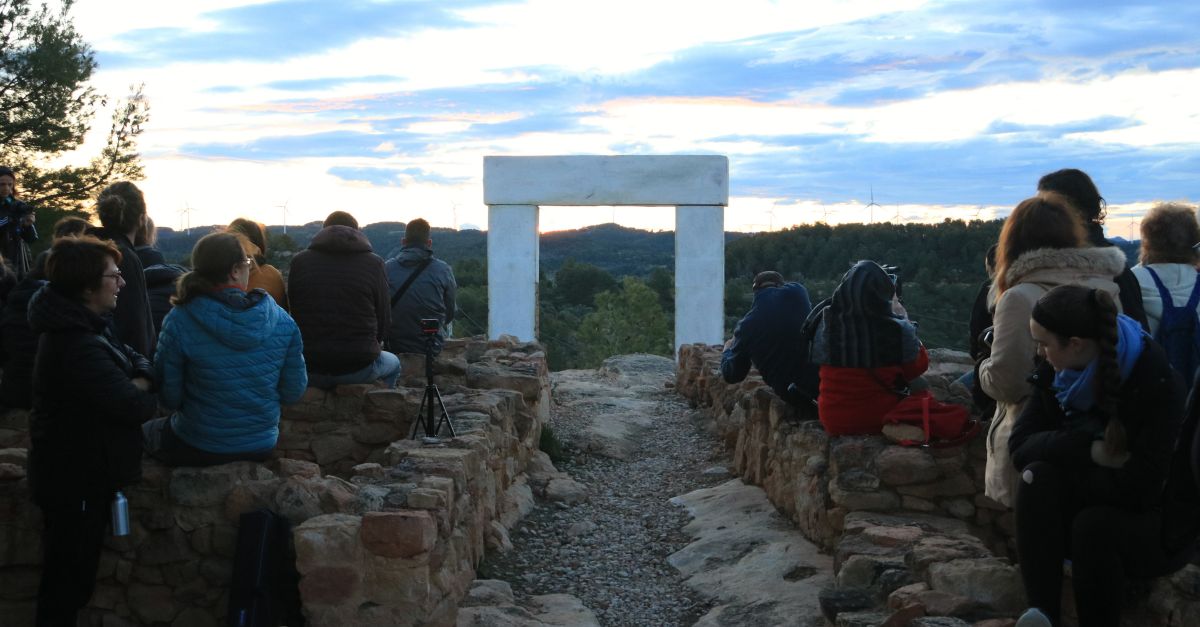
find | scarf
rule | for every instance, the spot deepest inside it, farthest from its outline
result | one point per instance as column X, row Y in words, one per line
column 858, row 328
column 1076, row 389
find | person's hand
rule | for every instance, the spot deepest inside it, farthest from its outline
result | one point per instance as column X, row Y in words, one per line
column 898, row 308
column 142, row 384
column 1102, row 457
column 28, row 219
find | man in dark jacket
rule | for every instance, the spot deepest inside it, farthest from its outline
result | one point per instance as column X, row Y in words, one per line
column 430, row 295
column 339, row 298
column 17, row 228
column 770, row 338
column 91, row 394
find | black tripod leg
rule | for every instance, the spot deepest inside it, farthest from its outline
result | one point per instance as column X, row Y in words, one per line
column 426, row 403
column 445, row 413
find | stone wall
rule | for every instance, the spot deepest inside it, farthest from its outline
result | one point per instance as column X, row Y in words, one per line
column 910, row 529
column 387, row 531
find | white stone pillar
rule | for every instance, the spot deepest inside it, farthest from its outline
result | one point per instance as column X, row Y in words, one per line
column 512, row 253
column 699, row 274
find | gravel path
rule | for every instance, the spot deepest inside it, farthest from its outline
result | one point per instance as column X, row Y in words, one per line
column 611, row 551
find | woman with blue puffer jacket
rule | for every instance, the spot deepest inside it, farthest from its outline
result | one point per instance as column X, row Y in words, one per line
column 226, row 360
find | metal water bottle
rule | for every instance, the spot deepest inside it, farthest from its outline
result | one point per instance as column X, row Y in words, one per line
column 120, row 515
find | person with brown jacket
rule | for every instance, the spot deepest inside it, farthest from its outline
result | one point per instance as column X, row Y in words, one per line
column 339, row 297
column 1043, row 245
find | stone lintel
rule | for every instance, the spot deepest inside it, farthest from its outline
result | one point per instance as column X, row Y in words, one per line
column 591, row 180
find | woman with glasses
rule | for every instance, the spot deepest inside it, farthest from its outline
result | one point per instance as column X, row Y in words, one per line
column 91, row 394
column 227, row 359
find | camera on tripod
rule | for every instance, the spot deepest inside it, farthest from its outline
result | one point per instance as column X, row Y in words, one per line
column 433, row 413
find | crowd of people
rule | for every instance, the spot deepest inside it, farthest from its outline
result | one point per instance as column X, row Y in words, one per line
column 118, row 354
column 1083, row 367
column 1083, row 363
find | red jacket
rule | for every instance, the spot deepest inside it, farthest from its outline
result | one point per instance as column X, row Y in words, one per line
column 853, row 402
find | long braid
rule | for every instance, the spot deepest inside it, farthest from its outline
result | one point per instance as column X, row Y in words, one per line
column 1109, row 372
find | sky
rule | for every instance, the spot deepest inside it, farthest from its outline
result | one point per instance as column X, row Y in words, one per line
column 841, row 111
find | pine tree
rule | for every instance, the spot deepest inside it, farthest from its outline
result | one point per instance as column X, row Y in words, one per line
column 46, row 109
column 626, row 321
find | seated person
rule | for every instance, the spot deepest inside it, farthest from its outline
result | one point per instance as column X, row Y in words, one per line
column 1095, row 446
column 338, row 293
column 226, row 360
column 770, row 337
column 868, row 351
column 430, row 291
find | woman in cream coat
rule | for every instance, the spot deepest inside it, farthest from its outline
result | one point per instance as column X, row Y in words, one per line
column 1042, row 246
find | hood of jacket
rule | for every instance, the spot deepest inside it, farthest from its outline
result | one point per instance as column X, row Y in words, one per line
column 16, row 308
column 237, row 319
column 1058, row 266
column 161, row 274
column 51, row 312
column 340, row 239
column 412, row 255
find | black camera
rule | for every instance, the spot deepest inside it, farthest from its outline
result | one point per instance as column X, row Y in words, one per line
column 893, row 273
column 430, row 326
column 14, row 208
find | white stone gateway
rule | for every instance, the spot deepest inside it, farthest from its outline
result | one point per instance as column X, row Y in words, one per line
column 696, row 185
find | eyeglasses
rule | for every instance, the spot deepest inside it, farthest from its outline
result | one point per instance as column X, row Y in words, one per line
column 248, row 261
column 115, row 275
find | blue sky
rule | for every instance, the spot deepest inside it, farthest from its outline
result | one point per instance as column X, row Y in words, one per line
column 386, row 109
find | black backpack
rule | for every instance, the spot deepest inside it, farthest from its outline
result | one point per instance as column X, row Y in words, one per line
column 1179, row 329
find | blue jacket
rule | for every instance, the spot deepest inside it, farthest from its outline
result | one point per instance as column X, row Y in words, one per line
column 770, row 337
column 225, row 362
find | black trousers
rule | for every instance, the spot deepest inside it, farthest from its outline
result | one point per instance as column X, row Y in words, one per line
column 71, row 543
column 1105, row 544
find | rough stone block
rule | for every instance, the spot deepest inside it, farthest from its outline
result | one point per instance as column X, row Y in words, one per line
column 904, row 465
column 957, row 485
column 205, row 487
column 330, row 585
column 991, row 582
column 403, row 534
column 298, row 468
column 152, row 604
column 854, row 500
column 331, row 538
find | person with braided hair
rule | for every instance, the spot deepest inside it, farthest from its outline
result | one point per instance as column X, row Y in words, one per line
column 1094, row 448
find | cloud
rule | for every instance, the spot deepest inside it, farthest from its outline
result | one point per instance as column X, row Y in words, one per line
column 393, row 177
column 283, row 29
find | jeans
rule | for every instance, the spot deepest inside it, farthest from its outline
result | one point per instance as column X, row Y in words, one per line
column 385, row 368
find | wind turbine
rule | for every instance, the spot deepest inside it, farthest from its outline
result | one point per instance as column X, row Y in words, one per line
column 285, row 214
column 185, row 218
column 824, row 213
column 871, row 205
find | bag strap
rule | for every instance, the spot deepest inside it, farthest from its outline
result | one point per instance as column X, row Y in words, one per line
column 412, row 277
column 1162, row 289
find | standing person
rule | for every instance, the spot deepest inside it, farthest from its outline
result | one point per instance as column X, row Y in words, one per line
column 1096, row 445
column 339, row 296
column 91, row 394
column 262, row 275
column 868, row 351
column 18, row 226
column 1043, row 244
column 145, row 243
column 227, row 359
column 770, row 336
column 431, row 294
column 122, row 208
column 1168, row 258
column 1079, row 190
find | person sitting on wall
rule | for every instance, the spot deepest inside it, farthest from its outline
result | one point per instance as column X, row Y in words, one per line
column 91, row 394
column 339, row 297
column 227, row 359
column 868, row 350
column 770, row 338
column 430, row 295
column 1105, row 478
column 263, row 274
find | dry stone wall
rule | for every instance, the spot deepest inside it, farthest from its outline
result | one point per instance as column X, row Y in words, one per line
column 387, row 531
column 910, row 530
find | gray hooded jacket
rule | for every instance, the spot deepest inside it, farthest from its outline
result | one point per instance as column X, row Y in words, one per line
column 431, row 295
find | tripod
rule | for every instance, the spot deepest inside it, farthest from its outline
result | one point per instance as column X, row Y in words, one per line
column 431, row 402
